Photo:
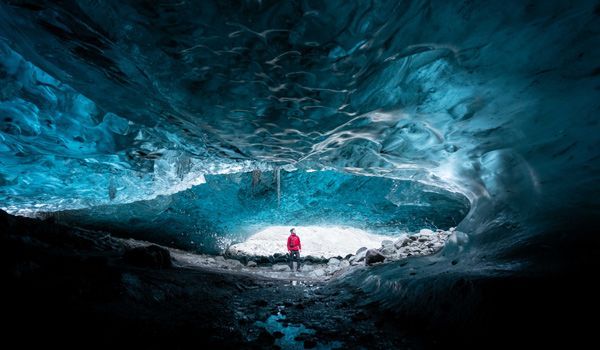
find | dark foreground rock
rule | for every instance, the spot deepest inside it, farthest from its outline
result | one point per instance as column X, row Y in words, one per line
column 68, row 287
column 373, row 256
column 151, row 256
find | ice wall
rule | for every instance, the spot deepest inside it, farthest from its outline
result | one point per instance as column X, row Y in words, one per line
column 229, row 208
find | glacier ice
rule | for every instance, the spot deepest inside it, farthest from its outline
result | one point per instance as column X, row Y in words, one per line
column 230, row 208
column 105, row 104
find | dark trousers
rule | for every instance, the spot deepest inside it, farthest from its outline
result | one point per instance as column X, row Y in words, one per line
column 294, row 256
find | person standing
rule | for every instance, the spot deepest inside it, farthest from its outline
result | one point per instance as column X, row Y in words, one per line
column 294, row 247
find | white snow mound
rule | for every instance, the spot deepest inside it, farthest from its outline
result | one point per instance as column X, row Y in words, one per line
column 317, row 241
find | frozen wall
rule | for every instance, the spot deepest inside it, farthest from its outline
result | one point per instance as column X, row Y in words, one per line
column 229, row 208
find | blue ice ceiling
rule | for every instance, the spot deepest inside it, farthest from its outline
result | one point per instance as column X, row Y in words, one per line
column 113, row 102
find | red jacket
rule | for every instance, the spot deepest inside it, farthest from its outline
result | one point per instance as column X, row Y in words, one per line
column 294, row 243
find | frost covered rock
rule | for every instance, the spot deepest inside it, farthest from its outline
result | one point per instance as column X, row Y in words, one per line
column 236, row 264
column 318, row 273
column 333, row 261
column 360, row 255
column 251, row 264
column 307, row 267
column 387, row 242
column 281, row 268
column 388, row 250
column 402, row 241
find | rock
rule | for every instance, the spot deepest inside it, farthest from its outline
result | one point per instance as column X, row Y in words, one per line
column 279, row 258
column 281, row 268
column 452, row 229
column 386, row 243
column 425, row 231
column 260, row 302
column 333, row 261
column 265, row 338
column 388, row 250
column 402, row 241
column 310, row 344
column 373, row 256
column 307, row 267
column 318, row 273
column 331, row 269
column 360, row 316
column 151, row 256
column 314, row 260
column 413, row 237
column 360, row 250
column 234, row 263
column 344, row 264
column 252, row 264
column 424, row 238
column 360, row 255
column 348, row 256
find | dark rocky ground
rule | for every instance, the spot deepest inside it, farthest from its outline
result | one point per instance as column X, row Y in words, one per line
column 71, row 288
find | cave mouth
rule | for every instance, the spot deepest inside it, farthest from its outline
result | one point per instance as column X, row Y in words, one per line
column 230, row 208
column 317, row 241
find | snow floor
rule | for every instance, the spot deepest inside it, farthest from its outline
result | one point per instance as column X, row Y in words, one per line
column 317, row 241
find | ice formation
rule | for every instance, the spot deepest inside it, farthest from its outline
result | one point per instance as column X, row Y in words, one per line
column 104, row 104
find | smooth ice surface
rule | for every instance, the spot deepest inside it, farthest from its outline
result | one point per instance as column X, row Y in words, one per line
column 317, row 241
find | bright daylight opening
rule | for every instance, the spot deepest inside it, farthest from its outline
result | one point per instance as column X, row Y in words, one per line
column 317, row 241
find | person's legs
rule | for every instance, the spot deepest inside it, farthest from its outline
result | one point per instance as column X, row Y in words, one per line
column 299, row 261
column 291, row 260
column 294, row 256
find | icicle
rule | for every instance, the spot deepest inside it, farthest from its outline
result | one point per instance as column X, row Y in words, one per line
column 278, row 187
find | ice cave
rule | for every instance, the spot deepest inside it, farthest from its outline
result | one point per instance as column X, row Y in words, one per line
column 437, row 161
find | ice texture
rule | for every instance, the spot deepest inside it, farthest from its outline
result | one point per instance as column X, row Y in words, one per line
column 497, row 100
column 232, row 207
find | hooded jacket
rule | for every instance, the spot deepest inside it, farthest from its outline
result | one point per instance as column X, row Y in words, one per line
column 293, row 242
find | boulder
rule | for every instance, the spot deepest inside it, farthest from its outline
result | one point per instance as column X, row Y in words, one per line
column 281, row 268
column 360, row 255
column 373, row 256
column 425, row 231
column 386, row 243
column 307, row 267
column 388, row 250
column 360, row 250
column 251, row 263
column 402, row 241
column 333, row 261
column 151, row 256
column 234, row 263
column 318, row 273
column 344, row 264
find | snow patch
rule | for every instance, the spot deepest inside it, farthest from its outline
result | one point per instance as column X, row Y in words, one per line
column 317, row 241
